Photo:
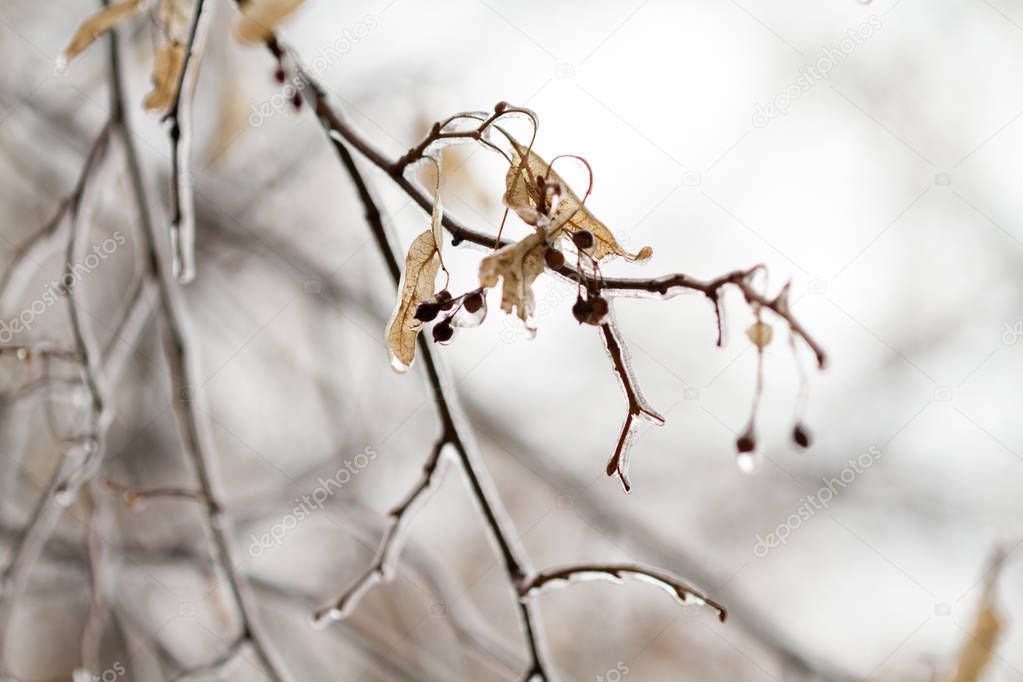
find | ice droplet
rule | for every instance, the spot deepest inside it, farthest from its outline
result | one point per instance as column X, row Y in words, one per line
column 747, row 462
column 65, row 497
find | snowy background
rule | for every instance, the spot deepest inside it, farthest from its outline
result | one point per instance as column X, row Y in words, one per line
column 887, row 193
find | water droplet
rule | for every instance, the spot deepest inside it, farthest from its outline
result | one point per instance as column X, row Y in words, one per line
column 747, row 462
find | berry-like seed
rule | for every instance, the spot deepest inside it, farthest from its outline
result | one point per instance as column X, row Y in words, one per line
column 279, row 75
column 296, row 101
column 473, row 302
column 427, row 312
column 582, row 310
column 500, row 107
column 746, row 443
column 443, row 331
column 598, row 310
column 554, row 258
column 801, row 436
column 583, row 239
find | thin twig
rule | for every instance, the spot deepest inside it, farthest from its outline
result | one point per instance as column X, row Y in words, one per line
column 446, row 402
column 682, row 591
column 637, row 406
column 397, row 519
column 48, row 507
column 183, row 375
column 177, row 120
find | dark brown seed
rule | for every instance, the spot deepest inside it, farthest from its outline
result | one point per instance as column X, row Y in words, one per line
column 444, row 300
column 443, row 331
column 582, row 310
column 279, row 75
column 500, row 107
column 801, row 436
column 599, row 305
column 583, row 239
column 555, row 259
column 473, row 302
column 296, row 101
column 427, row 312
column 746, row 444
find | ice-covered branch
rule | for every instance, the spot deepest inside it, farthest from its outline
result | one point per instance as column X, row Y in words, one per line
column 178, row 122
column 182, row 373
column 381, row 569
column 684, row 593
column 637, row 406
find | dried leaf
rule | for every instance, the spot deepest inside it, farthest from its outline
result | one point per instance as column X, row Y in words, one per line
column 98, row 24
column 175, row 17
column 418, row 281
column 760, row 333
column 166, row 75
column 261, row 17
column 979, row 647
column 980, row 644
column 524, row 196
column 519, row 264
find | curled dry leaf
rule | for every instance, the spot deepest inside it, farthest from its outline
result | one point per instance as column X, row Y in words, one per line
column 98, row 24
column 166, row 75
column 261, row 17
column 174, row 16
column 760, row 333
column 417, row 284
column 524, row 196
column 519, row 264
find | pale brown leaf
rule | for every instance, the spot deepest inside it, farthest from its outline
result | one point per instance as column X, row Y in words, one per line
column 175, row 17
column 519, row 264
column 524, row 196
column 261, row 17
column 98, row 24
column 167, row 65
column 418, row 281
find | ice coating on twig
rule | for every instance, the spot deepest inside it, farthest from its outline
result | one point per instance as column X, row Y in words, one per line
column 382, row 568
column 683, row 593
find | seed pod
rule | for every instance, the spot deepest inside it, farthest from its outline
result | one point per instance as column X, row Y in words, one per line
column 801, row 436
column 443, row 299
column 443, row 331
column 554, row 258
column 582, row 310
column 473, row 302
column 427, row 312
column 583, row 240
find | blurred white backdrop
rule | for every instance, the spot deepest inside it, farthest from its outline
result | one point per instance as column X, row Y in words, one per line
column 886, row 193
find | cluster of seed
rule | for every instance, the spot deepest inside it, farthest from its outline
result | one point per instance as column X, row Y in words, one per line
column 443, row 301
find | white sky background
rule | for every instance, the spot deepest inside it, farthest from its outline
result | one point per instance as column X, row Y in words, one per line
column 888, row 195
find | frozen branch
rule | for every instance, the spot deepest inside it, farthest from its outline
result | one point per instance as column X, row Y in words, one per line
column 397, row 520
column 183, row 377
column 178, row 122
column 637, row 406
column 681, row 591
